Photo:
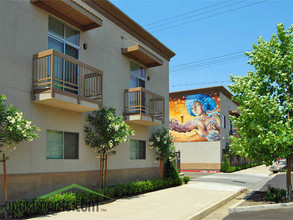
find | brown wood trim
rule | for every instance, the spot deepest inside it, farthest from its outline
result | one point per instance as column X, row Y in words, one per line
column 74, row 6
column 129, row 52
column 111, row 12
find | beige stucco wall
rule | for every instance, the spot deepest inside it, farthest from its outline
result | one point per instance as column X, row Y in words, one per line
column 199, row 152
column 24, row 32
column 226, row 106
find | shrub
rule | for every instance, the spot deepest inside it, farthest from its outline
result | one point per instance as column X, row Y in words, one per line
column 225, row 165
column 171, row 170
column 186, row 179
column 69, row 201
column 274, row 194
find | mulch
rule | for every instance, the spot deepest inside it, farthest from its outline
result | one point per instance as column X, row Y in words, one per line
column 257, row 198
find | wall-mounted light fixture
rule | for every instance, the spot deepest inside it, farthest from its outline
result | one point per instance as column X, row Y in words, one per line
column 85, row 46
column 148, row 77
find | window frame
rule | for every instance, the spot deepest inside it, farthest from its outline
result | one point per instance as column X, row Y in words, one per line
column 63, row 40
column 137, row 76
column 63, row 145
column 145, row 143
column 223, row 121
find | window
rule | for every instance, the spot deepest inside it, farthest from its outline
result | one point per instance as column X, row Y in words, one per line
column 63, row 38
column 223, row 121
column 137, row 75
column 62, row 145
column 137, row 149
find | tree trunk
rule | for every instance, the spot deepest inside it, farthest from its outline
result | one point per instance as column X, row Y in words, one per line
column 161, row 167
column 101, row 170
column 106, row 163
column 5, row 178
column 289, row 186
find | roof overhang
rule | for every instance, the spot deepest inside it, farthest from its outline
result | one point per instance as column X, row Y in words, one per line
column 70, row 12
column 142, row 56
column 114, row 14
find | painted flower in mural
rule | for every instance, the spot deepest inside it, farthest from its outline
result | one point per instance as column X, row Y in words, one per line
column 206, row 121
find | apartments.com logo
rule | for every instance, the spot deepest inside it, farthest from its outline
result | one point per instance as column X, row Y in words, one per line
column 48, row 203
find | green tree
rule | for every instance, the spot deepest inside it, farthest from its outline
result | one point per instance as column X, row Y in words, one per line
column 14, row 129
column 103, row 132
column 265, row 98
column 164, row 147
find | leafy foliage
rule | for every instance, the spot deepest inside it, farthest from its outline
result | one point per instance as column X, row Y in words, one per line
column 225, row 165
column 230, row 169
column 104, row 131
column 162, row 143
column 70, row 200
column 265, row 99
column 14, row 128
column 171, row 170
column 275, row 195
column 186, row 179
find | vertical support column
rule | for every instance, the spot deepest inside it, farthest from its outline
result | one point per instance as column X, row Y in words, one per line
column 140, row 102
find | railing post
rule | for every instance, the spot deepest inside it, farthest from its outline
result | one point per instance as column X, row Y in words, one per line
column 52, row 73
column 79, row 85
column 164, row 111
column 153, row 107
column 140, row 100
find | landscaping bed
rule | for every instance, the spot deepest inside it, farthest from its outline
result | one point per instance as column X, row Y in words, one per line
column 227, row 168
column 70, row 200
column 271, row 196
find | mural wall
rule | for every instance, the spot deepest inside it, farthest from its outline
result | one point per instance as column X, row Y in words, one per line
column 195, row 117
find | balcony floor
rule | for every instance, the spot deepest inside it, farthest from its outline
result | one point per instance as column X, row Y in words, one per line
column 66, row 100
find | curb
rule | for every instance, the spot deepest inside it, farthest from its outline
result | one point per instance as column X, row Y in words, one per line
column 261, row 207
column 206, row 211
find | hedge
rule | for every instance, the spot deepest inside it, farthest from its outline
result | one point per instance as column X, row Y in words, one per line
column 71, row 201
column 229, row 169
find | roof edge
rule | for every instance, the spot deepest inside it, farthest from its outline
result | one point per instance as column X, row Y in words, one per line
column 114, row 14
column 221, row 89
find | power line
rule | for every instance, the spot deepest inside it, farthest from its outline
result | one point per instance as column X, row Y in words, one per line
column 209, row 16
column 211, row 58
column 180, row 15
column 208, row 62
column 203, row 13
column 200, row 83
column 201, row 66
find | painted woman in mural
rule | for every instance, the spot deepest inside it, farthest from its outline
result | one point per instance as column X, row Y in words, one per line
column 206, row 123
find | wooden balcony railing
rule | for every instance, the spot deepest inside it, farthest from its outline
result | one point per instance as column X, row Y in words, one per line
column 145, row 103
column 234, row 132
column 54, row 71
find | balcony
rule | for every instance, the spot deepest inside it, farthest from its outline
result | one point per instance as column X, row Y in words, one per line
column 143, row 107
column 62, row 81
column 234, row 132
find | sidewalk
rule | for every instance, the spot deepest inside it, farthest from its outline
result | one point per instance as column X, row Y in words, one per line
column 174, row 203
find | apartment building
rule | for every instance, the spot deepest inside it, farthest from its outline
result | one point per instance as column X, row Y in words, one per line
column 200, row 125
column 63, row 58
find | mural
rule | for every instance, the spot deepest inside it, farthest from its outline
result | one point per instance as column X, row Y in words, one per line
column 195, row 117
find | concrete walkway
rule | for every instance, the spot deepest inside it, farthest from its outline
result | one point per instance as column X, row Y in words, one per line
column 180, row 202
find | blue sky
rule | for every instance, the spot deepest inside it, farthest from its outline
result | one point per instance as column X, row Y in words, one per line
column 211, row 37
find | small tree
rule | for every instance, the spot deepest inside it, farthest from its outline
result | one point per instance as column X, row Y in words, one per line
column 164, row 147
column 104, row 131
column 14, row 129
column 265, row 99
